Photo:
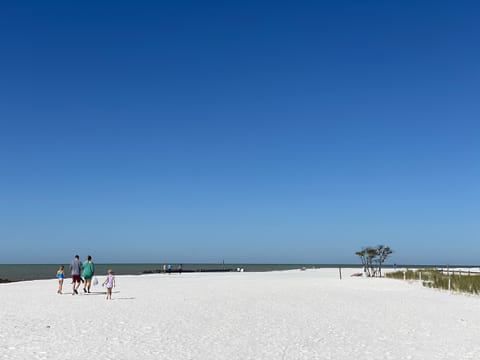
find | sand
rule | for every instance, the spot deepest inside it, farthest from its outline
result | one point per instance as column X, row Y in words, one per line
column 279, row 315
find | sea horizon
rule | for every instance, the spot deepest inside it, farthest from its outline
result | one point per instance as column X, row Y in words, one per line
column 41, row 271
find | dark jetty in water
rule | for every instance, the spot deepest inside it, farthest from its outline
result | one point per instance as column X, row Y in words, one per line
column 177, row 271
column 2, row 281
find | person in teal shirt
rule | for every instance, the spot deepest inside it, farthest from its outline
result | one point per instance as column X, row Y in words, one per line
column 87, row 273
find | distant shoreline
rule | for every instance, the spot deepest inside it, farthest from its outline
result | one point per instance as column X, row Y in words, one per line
column 27, row 272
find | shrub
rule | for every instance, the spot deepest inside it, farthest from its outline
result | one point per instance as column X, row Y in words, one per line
column 436, row 279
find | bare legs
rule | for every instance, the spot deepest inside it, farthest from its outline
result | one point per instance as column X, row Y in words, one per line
column 87, row 284
column 76, row 285
column 109, row 293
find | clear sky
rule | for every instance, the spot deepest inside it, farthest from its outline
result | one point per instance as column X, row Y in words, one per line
column 244, row 131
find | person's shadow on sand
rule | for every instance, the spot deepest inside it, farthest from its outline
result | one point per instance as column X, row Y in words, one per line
column 94, row 293
column 104, row 293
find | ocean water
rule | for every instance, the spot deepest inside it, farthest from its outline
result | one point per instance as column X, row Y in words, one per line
column 24, row 272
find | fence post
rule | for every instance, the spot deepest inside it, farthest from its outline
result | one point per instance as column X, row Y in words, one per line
column 420, row 274
column 404, row 275
column 340, row 272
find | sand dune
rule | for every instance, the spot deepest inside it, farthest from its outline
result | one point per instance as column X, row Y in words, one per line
column 279, row 315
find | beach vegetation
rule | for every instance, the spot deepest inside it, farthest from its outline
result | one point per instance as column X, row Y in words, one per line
column 437, row 279
column 372, row 259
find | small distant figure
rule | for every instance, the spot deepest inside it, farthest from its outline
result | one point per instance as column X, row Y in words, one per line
column 164, row 268
column 87, row 273
column 395, row 267
column 180, row 268
column 169, row 268
column 60, row 277
column 76, row 267
column 109, row 283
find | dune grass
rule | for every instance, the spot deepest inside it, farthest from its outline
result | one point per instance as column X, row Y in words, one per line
column 438, row 280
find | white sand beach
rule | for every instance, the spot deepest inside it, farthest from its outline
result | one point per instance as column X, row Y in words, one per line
column 278, row 315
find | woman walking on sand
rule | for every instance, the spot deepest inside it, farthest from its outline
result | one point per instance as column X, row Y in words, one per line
column 87, row 273
column 109, row 283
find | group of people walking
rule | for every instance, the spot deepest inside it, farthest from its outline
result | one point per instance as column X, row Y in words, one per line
column 83, row 273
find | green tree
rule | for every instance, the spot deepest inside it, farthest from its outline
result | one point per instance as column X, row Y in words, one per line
column 373, row 258
column 362, row 254
column 383, row 252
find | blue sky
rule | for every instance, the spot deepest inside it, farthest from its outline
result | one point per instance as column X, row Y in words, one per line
column 244, row 131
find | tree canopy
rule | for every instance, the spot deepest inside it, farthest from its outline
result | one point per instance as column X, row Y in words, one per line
column 373, row 258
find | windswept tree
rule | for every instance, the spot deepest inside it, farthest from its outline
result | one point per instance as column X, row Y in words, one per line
column 363, row 257
column 373, row 258
column 383, row 252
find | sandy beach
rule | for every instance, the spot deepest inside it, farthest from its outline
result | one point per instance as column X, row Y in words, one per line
column 277, row 315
